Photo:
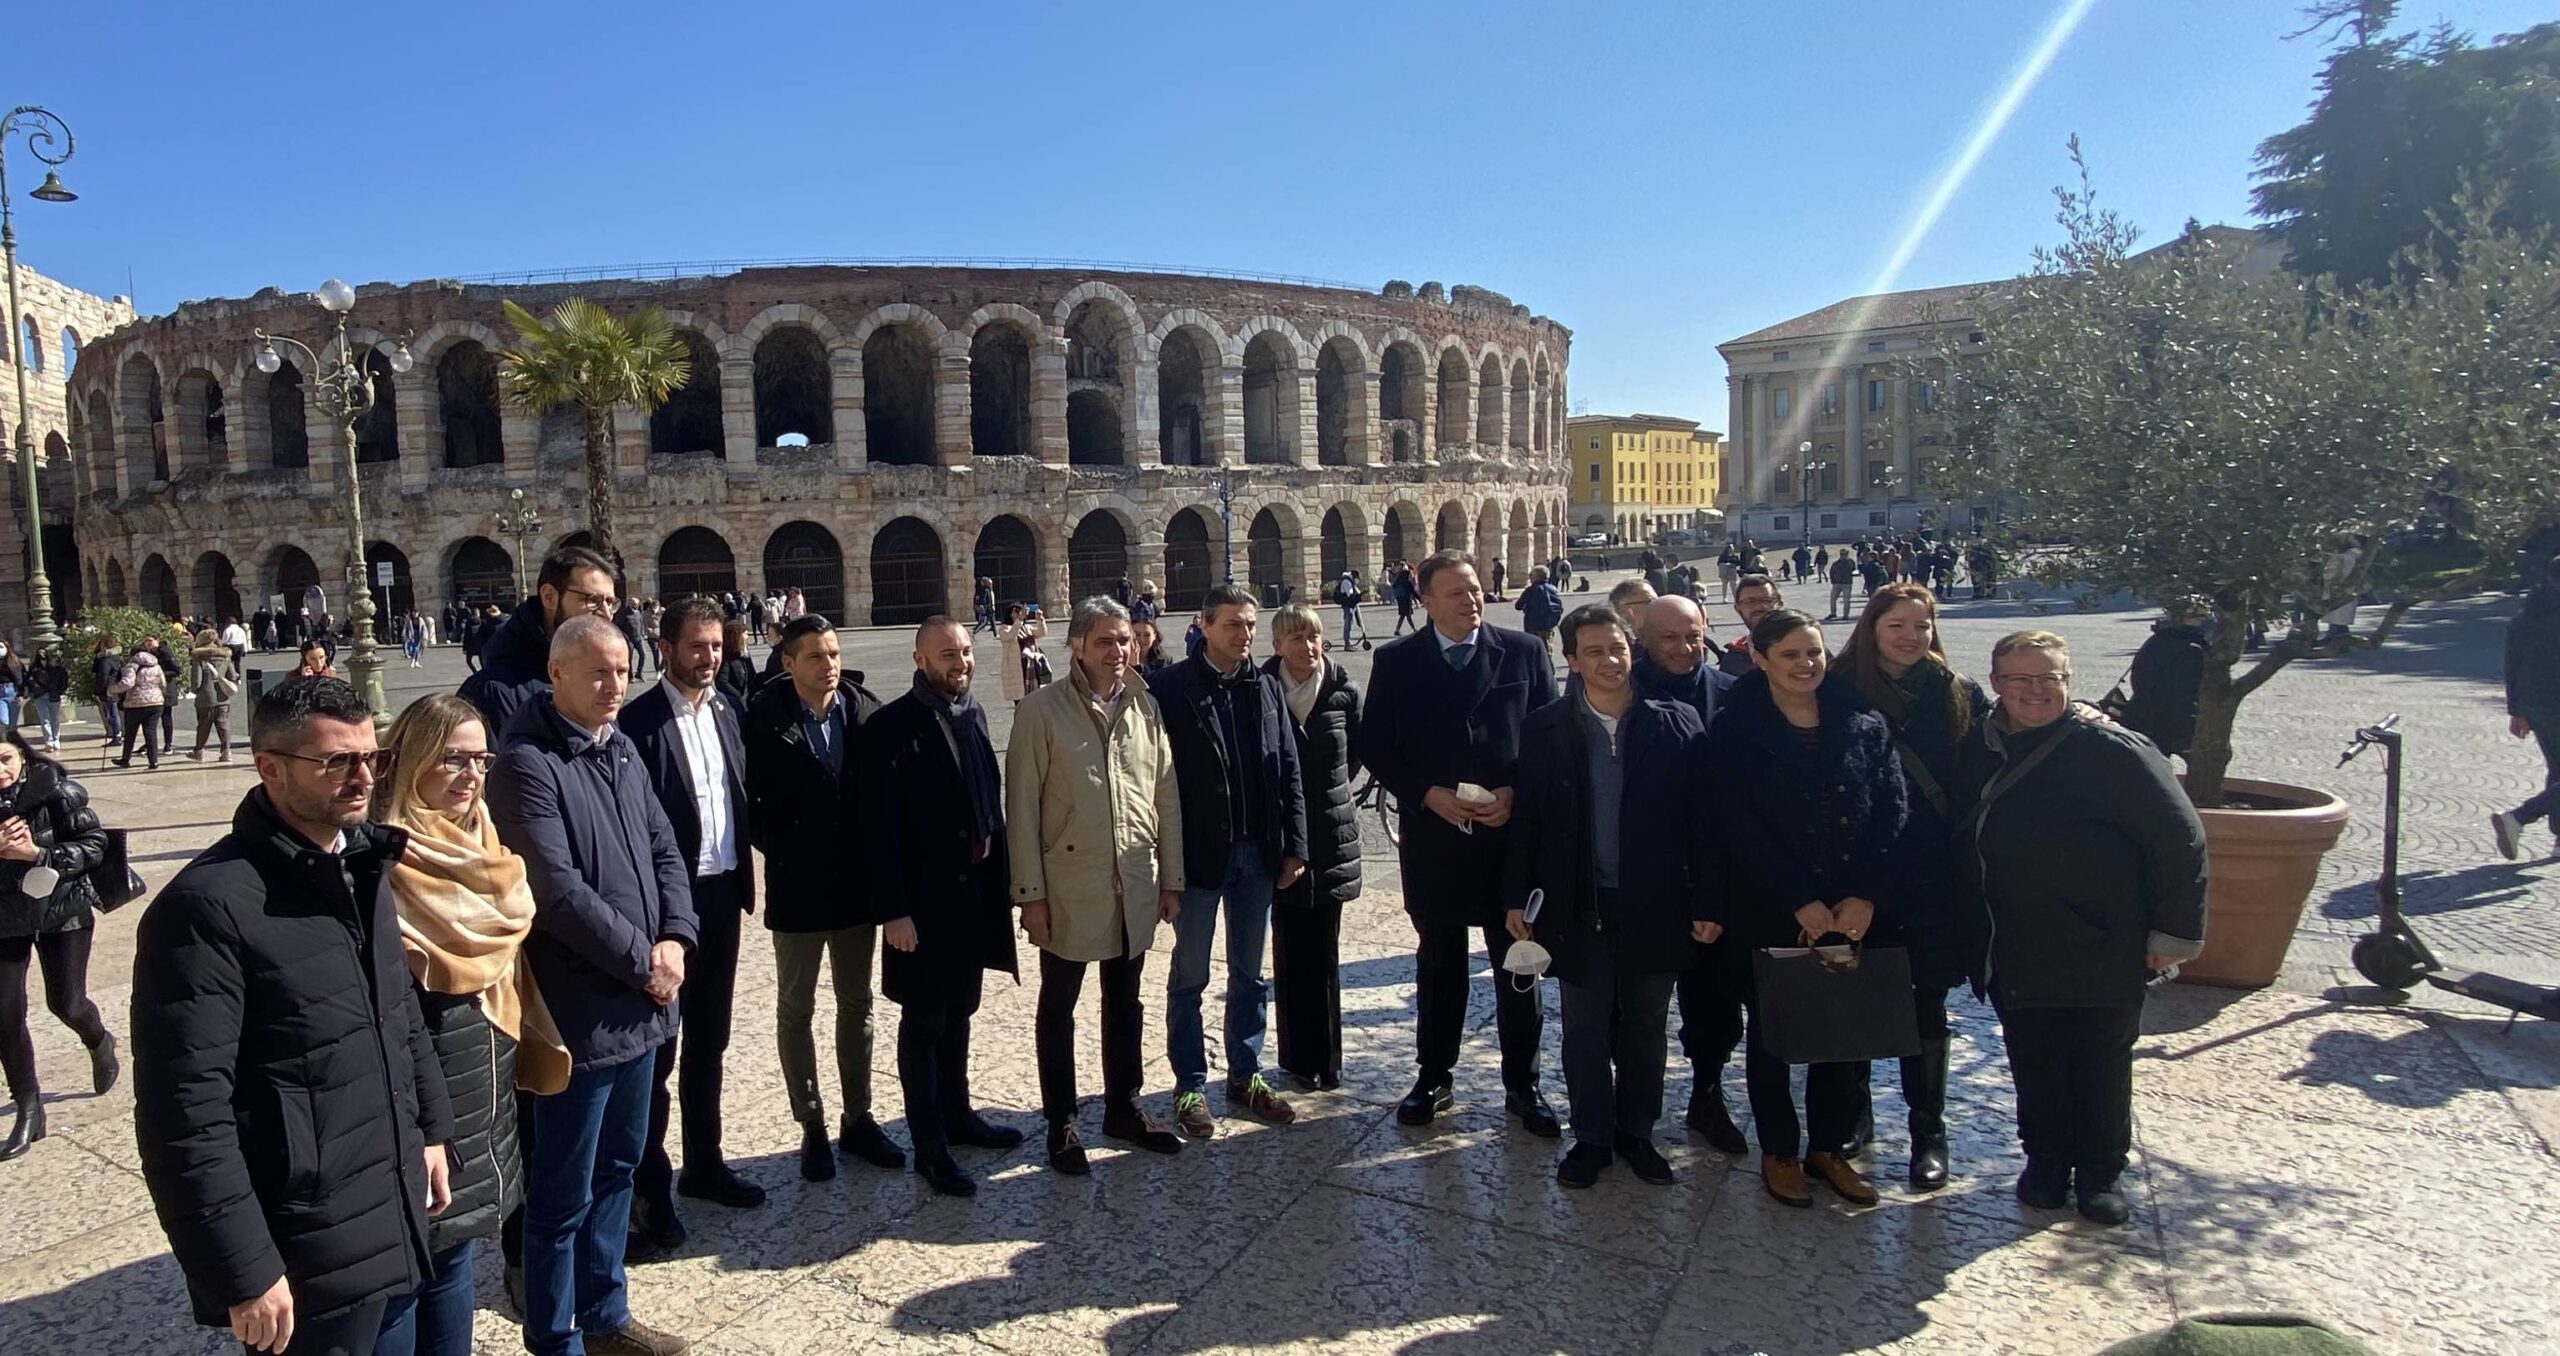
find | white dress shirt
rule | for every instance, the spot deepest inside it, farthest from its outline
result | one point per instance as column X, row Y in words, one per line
column 698, row 734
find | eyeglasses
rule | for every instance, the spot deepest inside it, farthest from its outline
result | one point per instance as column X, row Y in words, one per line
column 599, row 603
column 2055, row 681
column 338, row 767
column 456, row 763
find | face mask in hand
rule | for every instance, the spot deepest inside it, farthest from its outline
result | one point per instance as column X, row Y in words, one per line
column 39, row 882
column 1527, row 957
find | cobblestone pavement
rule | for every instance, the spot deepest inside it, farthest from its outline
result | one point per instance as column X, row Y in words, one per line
column 2306, row 1148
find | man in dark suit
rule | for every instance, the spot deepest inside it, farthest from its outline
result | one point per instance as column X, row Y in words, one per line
column 940, row 891
column 688, row 737
column 803, row 785
column 1445, row 710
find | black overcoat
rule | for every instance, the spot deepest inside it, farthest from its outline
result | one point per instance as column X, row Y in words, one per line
column 1930, row 899
column 807, row 823
column 924, row 846
column 1804, row 825
column 1326, row 770
column 1429, row 725
column 1185, row 695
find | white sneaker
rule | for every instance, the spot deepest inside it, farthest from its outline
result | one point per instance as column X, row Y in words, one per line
column 2509, row 832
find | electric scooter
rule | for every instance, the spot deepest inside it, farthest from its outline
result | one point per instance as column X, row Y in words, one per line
column 2391, row 955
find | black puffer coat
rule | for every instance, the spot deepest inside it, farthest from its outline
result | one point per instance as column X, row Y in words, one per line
column 1326, row 770
column 1929, row 895
column 66, row 832
column 479, row 1061
column 1804, row 825
column 515, row 667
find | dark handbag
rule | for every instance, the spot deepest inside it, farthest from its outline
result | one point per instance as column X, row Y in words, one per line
column 113, row 878
column 1818, row 1006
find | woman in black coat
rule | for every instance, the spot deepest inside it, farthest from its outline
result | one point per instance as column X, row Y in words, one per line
column 45, row 825
column 1811, row 802
column 1306, row 924
column 1893, row 666
column 2533, row 705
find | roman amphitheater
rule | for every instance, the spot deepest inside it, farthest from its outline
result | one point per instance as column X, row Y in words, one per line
column 879, row 436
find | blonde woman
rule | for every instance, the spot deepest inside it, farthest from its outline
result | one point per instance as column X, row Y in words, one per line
column 464, row 910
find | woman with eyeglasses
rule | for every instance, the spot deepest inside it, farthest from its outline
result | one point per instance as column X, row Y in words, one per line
column 2088, row 871
column 464, row 909
column 47, row 827
column 1892, row 665
column 1811, row 802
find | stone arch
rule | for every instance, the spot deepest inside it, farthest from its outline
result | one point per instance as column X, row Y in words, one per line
column 1401, row 534
column 1095, row 429
column 159, row 587
column 378, row 431
column 1519, row 549
column 1489, row 401
column 1098, row 553
column 1275, row 550
column 114, row 590
column 1190, row 559
column 743, row 343
column 1449, row 529
column 102, row 437
column 142, row 418
column 468, row 409
column 1105, row 296
column 394, row 598
column 1341, row 544
column 1520, row 403
column 479, row 571
column 1102, row 344
column 794, row 385
column 1000, row 398
column 1008, row 553
column 801, row 554
column 1340, row 364
column 203, row 426
column 1186, row 383
column 30, row 347
column 1457, row 387
column 1271, row 360
column 691, row 420
column 908, row 583
column 693, row 560
column 214, row 588
column 1541, row 436
column 289, row 574
column 1404, row 399
column 897, row 387
column 1488, row 541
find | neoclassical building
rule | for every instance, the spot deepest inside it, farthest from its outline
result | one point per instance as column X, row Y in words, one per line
column 877, row 436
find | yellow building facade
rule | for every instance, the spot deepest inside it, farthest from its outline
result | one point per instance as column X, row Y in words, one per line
column 1636, row 476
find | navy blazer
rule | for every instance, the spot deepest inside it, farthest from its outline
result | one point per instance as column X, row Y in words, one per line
column 1429, row 725
column 650, row 722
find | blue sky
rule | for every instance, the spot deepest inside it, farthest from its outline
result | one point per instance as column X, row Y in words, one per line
column 1658, row 177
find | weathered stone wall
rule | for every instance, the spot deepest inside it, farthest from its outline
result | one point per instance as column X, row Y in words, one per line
column 50, row 308
column 1273, row 390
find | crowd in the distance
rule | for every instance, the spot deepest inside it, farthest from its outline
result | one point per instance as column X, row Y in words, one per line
column 464, row 982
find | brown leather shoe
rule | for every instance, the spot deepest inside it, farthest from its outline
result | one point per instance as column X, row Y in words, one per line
column 635, row 1338
column 1836, row 1174
column 1784, row 1177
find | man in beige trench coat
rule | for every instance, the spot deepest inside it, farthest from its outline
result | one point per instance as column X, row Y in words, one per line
column 1093, row 825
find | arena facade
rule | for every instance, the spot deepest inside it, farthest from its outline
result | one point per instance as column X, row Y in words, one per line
column 878, row 436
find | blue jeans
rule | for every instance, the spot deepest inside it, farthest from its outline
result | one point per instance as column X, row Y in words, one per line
column 436, row 1321
column 49, row 717
column 1246, row 888
column 1350, row 619
column 587, row 1138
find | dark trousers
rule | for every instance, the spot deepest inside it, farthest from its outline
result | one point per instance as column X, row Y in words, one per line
column 2073, row 1068
column 933, row 1063
column 145, row 722
column 1613, row 1050
column 1440, row 965
column 1054, row 1032
column 1924, row 1075
column 701, row 1040
column 64, row 959
column 2546, row 732
column 1711, row 1015
column 351, row 1333
column 1832, row 1096
column 1306, row 982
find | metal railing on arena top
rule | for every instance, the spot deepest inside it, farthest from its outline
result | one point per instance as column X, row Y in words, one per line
column 712, row 268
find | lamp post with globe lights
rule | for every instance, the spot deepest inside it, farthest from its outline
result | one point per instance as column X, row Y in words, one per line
column 519, row 520
column 42, row 132
column 345, row 390
column 1806, row 467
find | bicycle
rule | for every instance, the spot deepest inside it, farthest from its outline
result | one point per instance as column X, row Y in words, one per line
column 1373, row 795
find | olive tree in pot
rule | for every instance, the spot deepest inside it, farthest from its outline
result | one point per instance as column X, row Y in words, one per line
column 2188, row 424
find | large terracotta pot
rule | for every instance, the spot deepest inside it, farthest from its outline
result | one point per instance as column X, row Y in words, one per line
column 2263, row 863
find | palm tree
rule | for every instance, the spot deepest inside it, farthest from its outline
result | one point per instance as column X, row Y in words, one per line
column 584, row 357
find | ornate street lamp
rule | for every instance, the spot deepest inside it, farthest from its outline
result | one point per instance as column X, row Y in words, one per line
column 345, row 390
column 1807, row 467
column 519, row 520
column 42, row 131
column 1226, row 485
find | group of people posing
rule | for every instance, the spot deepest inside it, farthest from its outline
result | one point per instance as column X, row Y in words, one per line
column 443, row 987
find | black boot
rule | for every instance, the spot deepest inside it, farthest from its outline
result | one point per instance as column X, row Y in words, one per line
column 102, row 1064
column 1924, row 1087
column 24, row 1134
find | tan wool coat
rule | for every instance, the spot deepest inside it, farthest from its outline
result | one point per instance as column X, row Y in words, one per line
column 1093, row 817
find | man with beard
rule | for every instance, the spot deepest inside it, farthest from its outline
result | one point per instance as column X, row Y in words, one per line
column 516, row 657
column 688, row 738
column 1754, row 596
column 271, row 1002
column 939, row 891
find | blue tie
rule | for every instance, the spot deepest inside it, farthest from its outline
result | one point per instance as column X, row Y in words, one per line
column 1460, row 653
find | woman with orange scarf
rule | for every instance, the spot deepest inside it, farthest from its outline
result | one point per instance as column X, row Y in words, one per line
column 464, row 912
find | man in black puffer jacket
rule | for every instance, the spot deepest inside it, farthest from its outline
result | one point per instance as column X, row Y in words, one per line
column 515, row 658
column 288, row 1103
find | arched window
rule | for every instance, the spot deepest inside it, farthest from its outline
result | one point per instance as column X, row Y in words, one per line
column 696, row 560
column 1008, row 554
column 1181, row 395
column 467, row 396
column 690, row 420
column 1097, row 556
column 999, row 392
column 805, row 556
column 793, row 389
column 897, row 396
column 30, row 348
column 906, row 573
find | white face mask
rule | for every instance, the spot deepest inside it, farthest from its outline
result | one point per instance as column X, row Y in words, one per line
column 1527, row 957
column 39, row 882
